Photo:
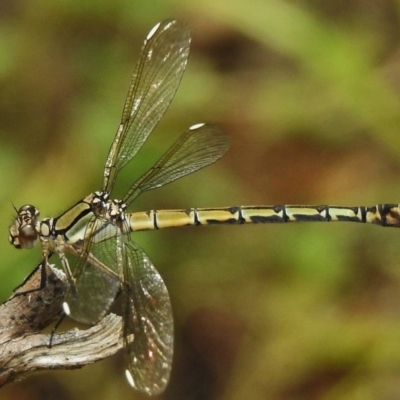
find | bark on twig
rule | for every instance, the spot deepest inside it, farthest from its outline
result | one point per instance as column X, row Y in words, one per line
column 24, row 349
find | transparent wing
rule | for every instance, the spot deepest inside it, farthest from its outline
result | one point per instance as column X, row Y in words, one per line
column 97, row 274
column 154, row 83
column 148, row 329
column 199, row 146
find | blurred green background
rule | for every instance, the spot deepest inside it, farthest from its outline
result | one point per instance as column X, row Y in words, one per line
column 309, row 92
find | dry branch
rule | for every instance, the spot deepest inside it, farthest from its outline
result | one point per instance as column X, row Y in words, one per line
column 30, row 309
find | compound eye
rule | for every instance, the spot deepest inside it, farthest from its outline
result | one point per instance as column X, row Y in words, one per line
column 27, row 236
column 28, row 209
column 23, row 232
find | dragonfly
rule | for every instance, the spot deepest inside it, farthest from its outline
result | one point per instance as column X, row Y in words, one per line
column 96, row 231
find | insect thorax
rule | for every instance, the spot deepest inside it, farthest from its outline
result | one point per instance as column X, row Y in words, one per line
column 112, row 210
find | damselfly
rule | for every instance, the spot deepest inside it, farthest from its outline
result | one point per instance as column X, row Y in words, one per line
column 96, row 230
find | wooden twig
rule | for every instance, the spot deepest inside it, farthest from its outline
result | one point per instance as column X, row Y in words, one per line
column 24, row 349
